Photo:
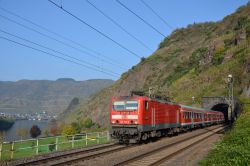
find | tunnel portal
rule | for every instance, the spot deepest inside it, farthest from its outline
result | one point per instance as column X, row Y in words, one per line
column 220, row 103
column 222, row 107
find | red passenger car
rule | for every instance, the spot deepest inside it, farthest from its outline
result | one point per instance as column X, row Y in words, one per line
column 136, row 118
column 192, row 117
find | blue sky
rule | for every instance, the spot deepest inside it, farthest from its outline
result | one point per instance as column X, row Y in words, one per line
column 18, row 62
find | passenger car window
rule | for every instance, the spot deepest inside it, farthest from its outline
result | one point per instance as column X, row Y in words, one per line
column 146, row 105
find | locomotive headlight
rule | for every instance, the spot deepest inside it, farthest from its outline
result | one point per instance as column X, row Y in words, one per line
column 133, row 122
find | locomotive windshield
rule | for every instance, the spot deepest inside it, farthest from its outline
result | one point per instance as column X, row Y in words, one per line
column 125, row 105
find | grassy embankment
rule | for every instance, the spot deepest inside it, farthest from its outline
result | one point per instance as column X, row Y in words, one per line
column 234, row 148
column 27, row 148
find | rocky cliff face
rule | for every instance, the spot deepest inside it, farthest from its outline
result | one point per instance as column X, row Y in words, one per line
column 192, row 61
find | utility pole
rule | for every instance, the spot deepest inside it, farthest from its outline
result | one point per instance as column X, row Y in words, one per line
column 151, row 91
column 230, row 82
column 193, row 99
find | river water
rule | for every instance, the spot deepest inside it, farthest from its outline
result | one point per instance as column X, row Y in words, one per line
column 11, row 134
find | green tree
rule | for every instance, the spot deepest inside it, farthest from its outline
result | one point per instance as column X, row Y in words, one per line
column 88, row 123
column 218, row 56
column 77, row 127
column 97, row 126
column 143, row 59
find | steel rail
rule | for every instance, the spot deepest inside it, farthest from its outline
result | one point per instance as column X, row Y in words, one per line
column 154, row 151
column 162, row 160
column 82, row 158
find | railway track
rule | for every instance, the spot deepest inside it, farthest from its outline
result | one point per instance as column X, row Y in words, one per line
column 152, row 156
column 161, row 155
column 81, row 158
column 72, row 157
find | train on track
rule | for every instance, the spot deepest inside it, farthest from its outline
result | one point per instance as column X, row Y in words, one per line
column 137, row 118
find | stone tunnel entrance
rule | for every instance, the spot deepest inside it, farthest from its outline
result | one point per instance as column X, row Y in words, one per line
column 222, row 107
column 220, row 103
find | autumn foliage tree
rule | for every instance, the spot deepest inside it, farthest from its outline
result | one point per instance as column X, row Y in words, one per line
column 35, row 131
column 54, row 130
column 68, row 130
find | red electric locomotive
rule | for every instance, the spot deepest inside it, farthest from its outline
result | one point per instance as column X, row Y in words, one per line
column 137, row 118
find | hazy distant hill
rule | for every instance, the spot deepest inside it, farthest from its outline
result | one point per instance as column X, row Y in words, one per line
column 44, row 95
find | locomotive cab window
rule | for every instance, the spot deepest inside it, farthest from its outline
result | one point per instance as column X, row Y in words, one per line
column 119, row 105
column 131, row 105
column 125, row 105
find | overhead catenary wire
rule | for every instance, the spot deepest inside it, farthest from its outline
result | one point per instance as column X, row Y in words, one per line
column 162, row 19
column 98, row 31
column 47, row 36
column 100, row 55
column 153, row 11
column 143, row 20
column 26, row 40
column 42, row 34
column 118, row 25
column 56, row 56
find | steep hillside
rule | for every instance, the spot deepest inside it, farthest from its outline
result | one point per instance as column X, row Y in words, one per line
column 27, row 96
column 192, row 61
